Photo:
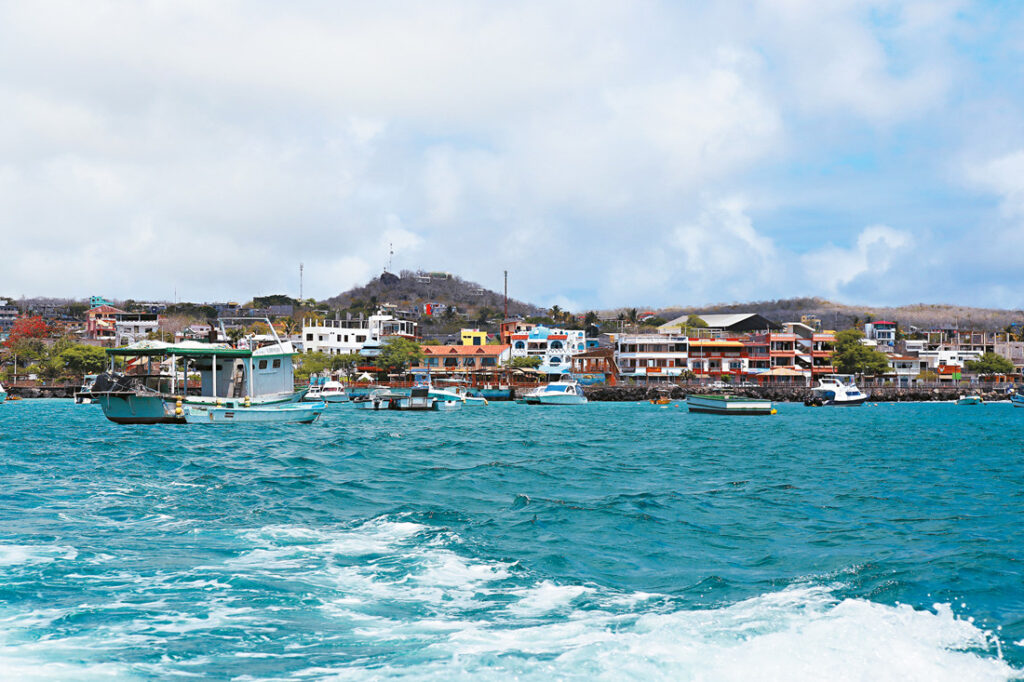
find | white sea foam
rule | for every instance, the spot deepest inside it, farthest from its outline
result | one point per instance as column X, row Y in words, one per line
column 392, row 586
column 18, row 555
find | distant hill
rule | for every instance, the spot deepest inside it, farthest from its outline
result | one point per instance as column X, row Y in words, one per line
column 840, row 315
column 410, row 289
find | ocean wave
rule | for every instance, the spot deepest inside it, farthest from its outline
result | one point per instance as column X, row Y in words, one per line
column 390, row 597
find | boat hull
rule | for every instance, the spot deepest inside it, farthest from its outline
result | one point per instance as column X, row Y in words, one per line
column 126, row 407
column 728, row 405
column 970, row 400
column 299, row 413
column 1017, row 400
column 553, row 399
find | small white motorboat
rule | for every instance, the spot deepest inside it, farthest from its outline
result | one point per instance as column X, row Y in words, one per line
column 3, row 394
column 1017, row 400
column 565, row 391
column 973, row 399
column 329, row 391
column 295, row 413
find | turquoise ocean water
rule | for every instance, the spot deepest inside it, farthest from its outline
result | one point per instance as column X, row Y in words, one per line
column 607, row 541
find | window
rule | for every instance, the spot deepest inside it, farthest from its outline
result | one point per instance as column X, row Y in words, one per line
column 263, row 364
column 277, row 363
column 555, row 345
column 520, row 345
column 556, row 360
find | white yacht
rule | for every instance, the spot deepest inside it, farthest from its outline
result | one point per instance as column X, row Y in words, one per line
column 565, row 391
column 837, row 389
column 329, row 391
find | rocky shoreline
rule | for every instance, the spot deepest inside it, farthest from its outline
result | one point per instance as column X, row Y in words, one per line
column 639, row 393
column 777, row 394
column 42, row 391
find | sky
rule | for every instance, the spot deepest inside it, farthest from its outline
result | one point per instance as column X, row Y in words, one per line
column 605, row 153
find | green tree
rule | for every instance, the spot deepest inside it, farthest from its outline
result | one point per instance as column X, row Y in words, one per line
column 397, row 353
column 591, row 318
column 81, row 359
column 347, row 363
column 530, row 362
column 235, row 334
column 853, row 357
column 310, row 363
column 990, row 363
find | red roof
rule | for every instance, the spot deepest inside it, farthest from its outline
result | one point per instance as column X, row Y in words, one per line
column 882, row 322
column 465, row 350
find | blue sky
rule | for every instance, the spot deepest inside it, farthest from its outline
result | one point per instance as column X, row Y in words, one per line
column 605, row 153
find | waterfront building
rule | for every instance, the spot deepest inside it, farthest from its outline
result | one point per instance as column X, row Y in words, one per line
column 510, row 327
column 355, row 335
column 8, row 314
column 732, row 324
column 473, row 337
column 100, row 323
column 463, row 358
column 651, row 355
column 595, row 366
column 882, row 332
column 906, row 368
column 132, row 327
column 718, row 357
column 555, row 347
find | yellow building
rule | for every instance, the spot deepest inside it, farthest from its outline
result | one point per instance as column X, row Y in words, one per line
column 474, row 337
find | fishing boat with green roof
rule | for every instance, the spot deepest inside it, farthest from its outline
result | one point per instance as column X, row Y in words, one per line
column 152, row 382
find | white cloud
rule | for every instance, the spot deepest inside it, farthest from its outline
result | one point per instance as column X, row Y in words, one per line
column 211, row 147
column 877, row 250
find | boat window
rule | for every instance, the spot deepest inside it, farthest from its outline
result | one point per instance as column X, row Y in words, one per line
column 277, row 363
column 263, row 364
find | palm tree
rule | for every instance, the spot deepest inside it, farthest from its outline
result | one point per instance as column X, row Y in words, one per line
column 235, row 334
column 591, row 318
column 289, row 326
column 633, row 316
column 555, row 313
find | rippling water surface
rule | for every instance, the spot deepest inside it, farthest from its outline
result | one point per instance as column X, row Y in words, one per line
column 611, row 541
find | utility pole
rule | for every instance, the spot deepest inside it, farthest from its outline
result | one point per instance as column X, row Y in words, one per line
column 506, row 295
column 301, row 266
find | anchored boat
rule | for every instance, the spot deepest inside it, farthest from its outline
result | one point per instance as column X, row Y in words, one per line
column 328, row 391
column 229, row 377
column 837, row 389
column 1017, row 399
column 295, row 413
column 973, row 399
column 83, row 396
column 562, row 392
column 728, row 404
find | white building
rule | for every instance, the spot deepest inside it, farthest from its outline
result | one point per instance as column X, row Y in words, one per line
column 132, row 327
column 882, row 332
column 645, row 355
column 555, row 347
column 360, row 335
